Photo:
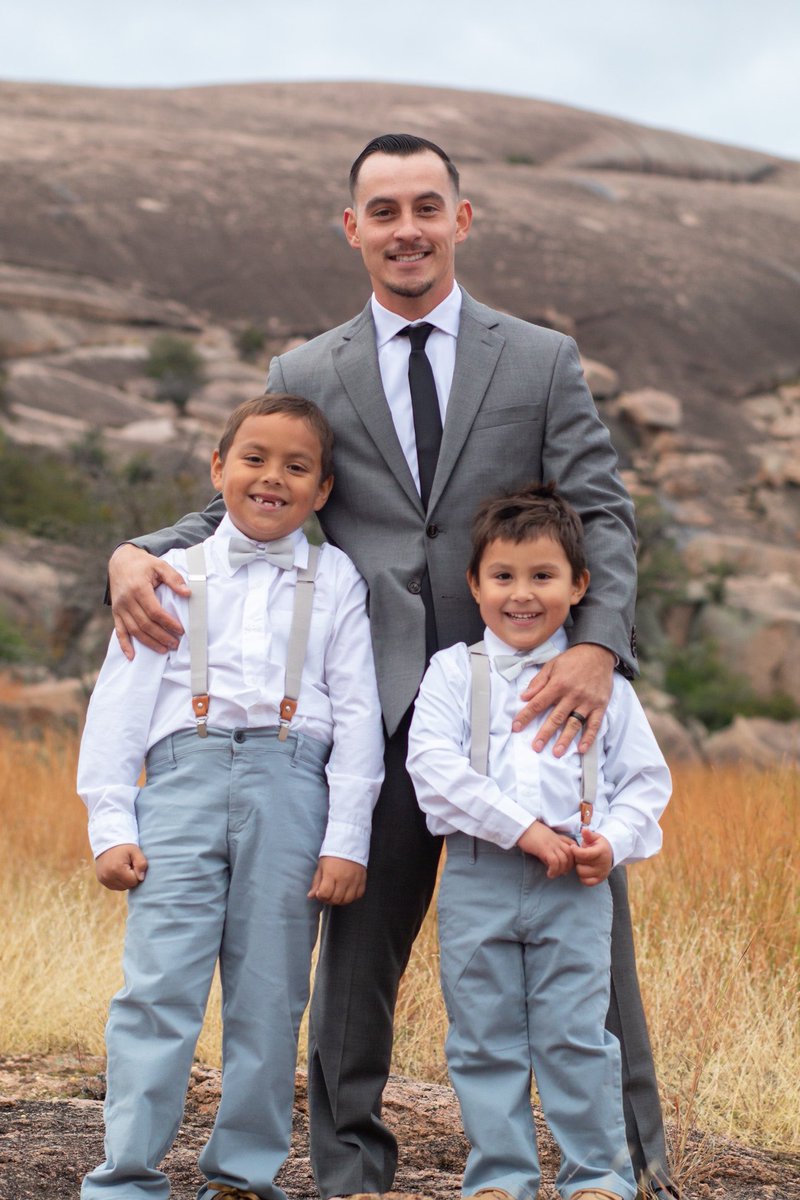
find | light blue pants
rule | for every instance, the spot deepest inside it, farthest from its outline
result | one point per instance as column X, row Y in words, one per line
column 525, row 963
column 232, row 827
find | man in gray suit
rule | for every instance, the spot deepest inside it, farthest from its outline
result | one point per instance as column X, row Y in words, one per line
column 514, row 407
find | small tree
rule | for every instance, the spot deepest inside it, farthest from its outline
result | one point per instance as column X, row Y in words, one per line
column 178, row 368
column 250, row 342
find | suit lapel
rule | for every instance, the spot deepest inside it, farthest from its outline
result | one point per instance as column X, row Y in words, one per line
column 477, row 351
column 356, row 364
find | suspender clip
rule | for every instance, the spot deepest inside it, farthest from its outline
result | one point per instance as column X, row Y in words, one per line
column 586, row 813
column 200, row 706
column 287, row 710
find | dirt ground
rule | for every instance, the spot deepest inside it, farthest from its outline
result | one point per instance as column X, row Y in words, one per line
column 51, row 1132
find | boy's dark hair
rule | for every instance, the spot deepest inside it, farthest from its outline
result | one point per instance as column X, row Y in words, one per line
column 283, row 404
column 533, row 511
column 403, row 145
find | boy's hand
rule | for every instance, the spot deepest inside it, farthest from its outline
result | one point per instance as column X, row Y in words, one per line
column 133, row 576
column 121, row 868
column 338, row 881
column 555, row 850
column 579, row 680
column 594, row 859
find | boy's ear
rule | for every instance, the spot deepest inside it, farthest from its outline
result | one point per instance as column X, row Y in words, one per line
column 216, row 471
column 579, row 587
column 472, row 583
column 323, row 492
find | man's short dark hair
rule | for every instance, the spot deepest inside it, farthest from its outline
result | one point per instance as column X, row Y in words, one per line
column 533, row 511
column 403, row 145
column 282, row 404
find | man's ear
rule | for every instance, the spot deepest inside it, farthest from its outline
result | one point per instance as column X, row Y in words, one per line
column 463, row 220
column 351, row 228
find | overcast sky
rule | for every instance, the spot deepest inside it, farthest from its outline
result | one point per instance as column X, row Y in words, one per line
column 723, row 69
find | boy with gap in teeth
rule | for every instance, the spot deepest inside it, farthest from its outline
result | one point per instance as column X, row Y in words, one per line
column 240, row 834
column 524, row 906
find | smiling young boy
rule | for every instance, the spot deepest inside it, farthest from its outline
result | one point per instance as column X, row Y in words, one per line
column 524, row 906
column 252, row 814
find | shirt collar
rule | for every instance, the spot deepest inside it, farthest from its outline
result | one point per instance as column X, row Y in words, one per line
column 226, row 530
column 495, row 645
column 445, row 316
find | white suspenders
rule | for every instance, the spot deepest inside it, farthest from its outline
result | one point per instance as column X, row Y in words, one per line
column 296, row 649
column 481, row 716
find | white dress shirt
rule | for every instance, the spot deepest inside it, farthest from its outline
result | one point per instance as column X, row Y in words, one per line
column 633, row 784
column 393, row 354
column 136, row 704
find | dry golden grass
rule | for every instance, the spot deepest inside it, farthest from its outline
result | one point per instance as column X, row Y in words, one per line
column 717, row 934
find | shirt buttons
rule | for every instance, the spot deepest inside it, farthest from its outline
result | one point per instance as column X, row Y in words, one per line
column 414, row 586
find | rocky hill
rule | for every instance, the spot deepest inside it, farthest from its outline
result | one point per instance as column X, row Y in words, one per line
column 206, row 212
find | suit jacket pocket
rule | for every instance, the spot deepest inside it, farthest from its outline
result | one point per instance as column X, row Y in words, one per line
column 513, row 415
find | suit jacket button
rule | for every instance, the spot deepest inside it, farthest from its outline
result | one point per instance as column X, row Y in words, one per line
column 414, row 586
column 432, row 531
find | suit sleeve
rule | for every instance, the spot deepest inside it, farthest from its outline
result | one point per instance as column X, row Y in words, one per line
column 188, row 531
column 578, row 455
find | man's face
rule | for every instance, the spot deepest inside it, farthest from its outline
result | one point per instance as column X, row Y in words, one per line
column 407, row 220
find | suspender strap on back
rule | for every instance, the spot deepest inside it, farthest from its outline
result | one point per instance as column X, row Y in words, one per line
column 481, row 719
column 298, row 640
column 198, row 635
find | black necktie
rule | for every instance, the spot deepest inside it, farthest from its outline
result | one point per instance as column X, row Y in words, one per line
column 425, row 407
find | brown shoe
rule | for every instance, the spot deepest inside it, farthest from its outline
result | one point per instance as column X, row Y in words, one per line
column 490, row 1194
column 594, row 1194
column 226, row 1191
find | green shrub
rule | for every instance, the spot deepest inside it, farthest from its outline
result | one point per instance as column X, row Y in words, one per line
column 250, row 342
column 178, row 368
column 13, row 647
column 707, row 690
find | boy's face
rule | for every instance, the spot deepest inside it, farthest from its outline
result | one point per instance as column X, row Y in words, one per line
column 270, row 479
column 525, row 589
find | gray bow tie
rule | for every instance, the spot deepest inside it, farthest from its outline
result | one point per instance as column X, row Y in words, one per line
column 512, row 665
column 280, row 552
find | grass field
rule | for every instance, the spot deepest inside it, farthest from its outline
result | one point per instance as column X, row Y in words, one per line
column 716, row 918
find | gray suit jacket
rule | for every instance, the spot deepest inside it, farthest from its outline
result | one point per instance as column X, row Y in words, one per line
column 519, row 410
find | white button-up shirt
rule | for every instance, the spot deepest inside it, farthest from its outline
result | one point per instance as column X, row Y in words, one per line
column 136, row 704
column 633, row 784
column 393, row 355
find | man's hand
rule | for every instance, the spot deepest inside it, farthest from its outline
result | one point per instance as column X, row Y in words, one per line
column 133, row 576
column 555, row 850
column 121, row 868
column 338, row 881
column 579, row 680
column 594, row 859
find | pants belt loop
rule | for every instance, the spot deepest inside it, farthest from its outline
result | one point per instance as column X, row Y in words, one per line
column 473, row 850
column 298, row 745
column 172, row 759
